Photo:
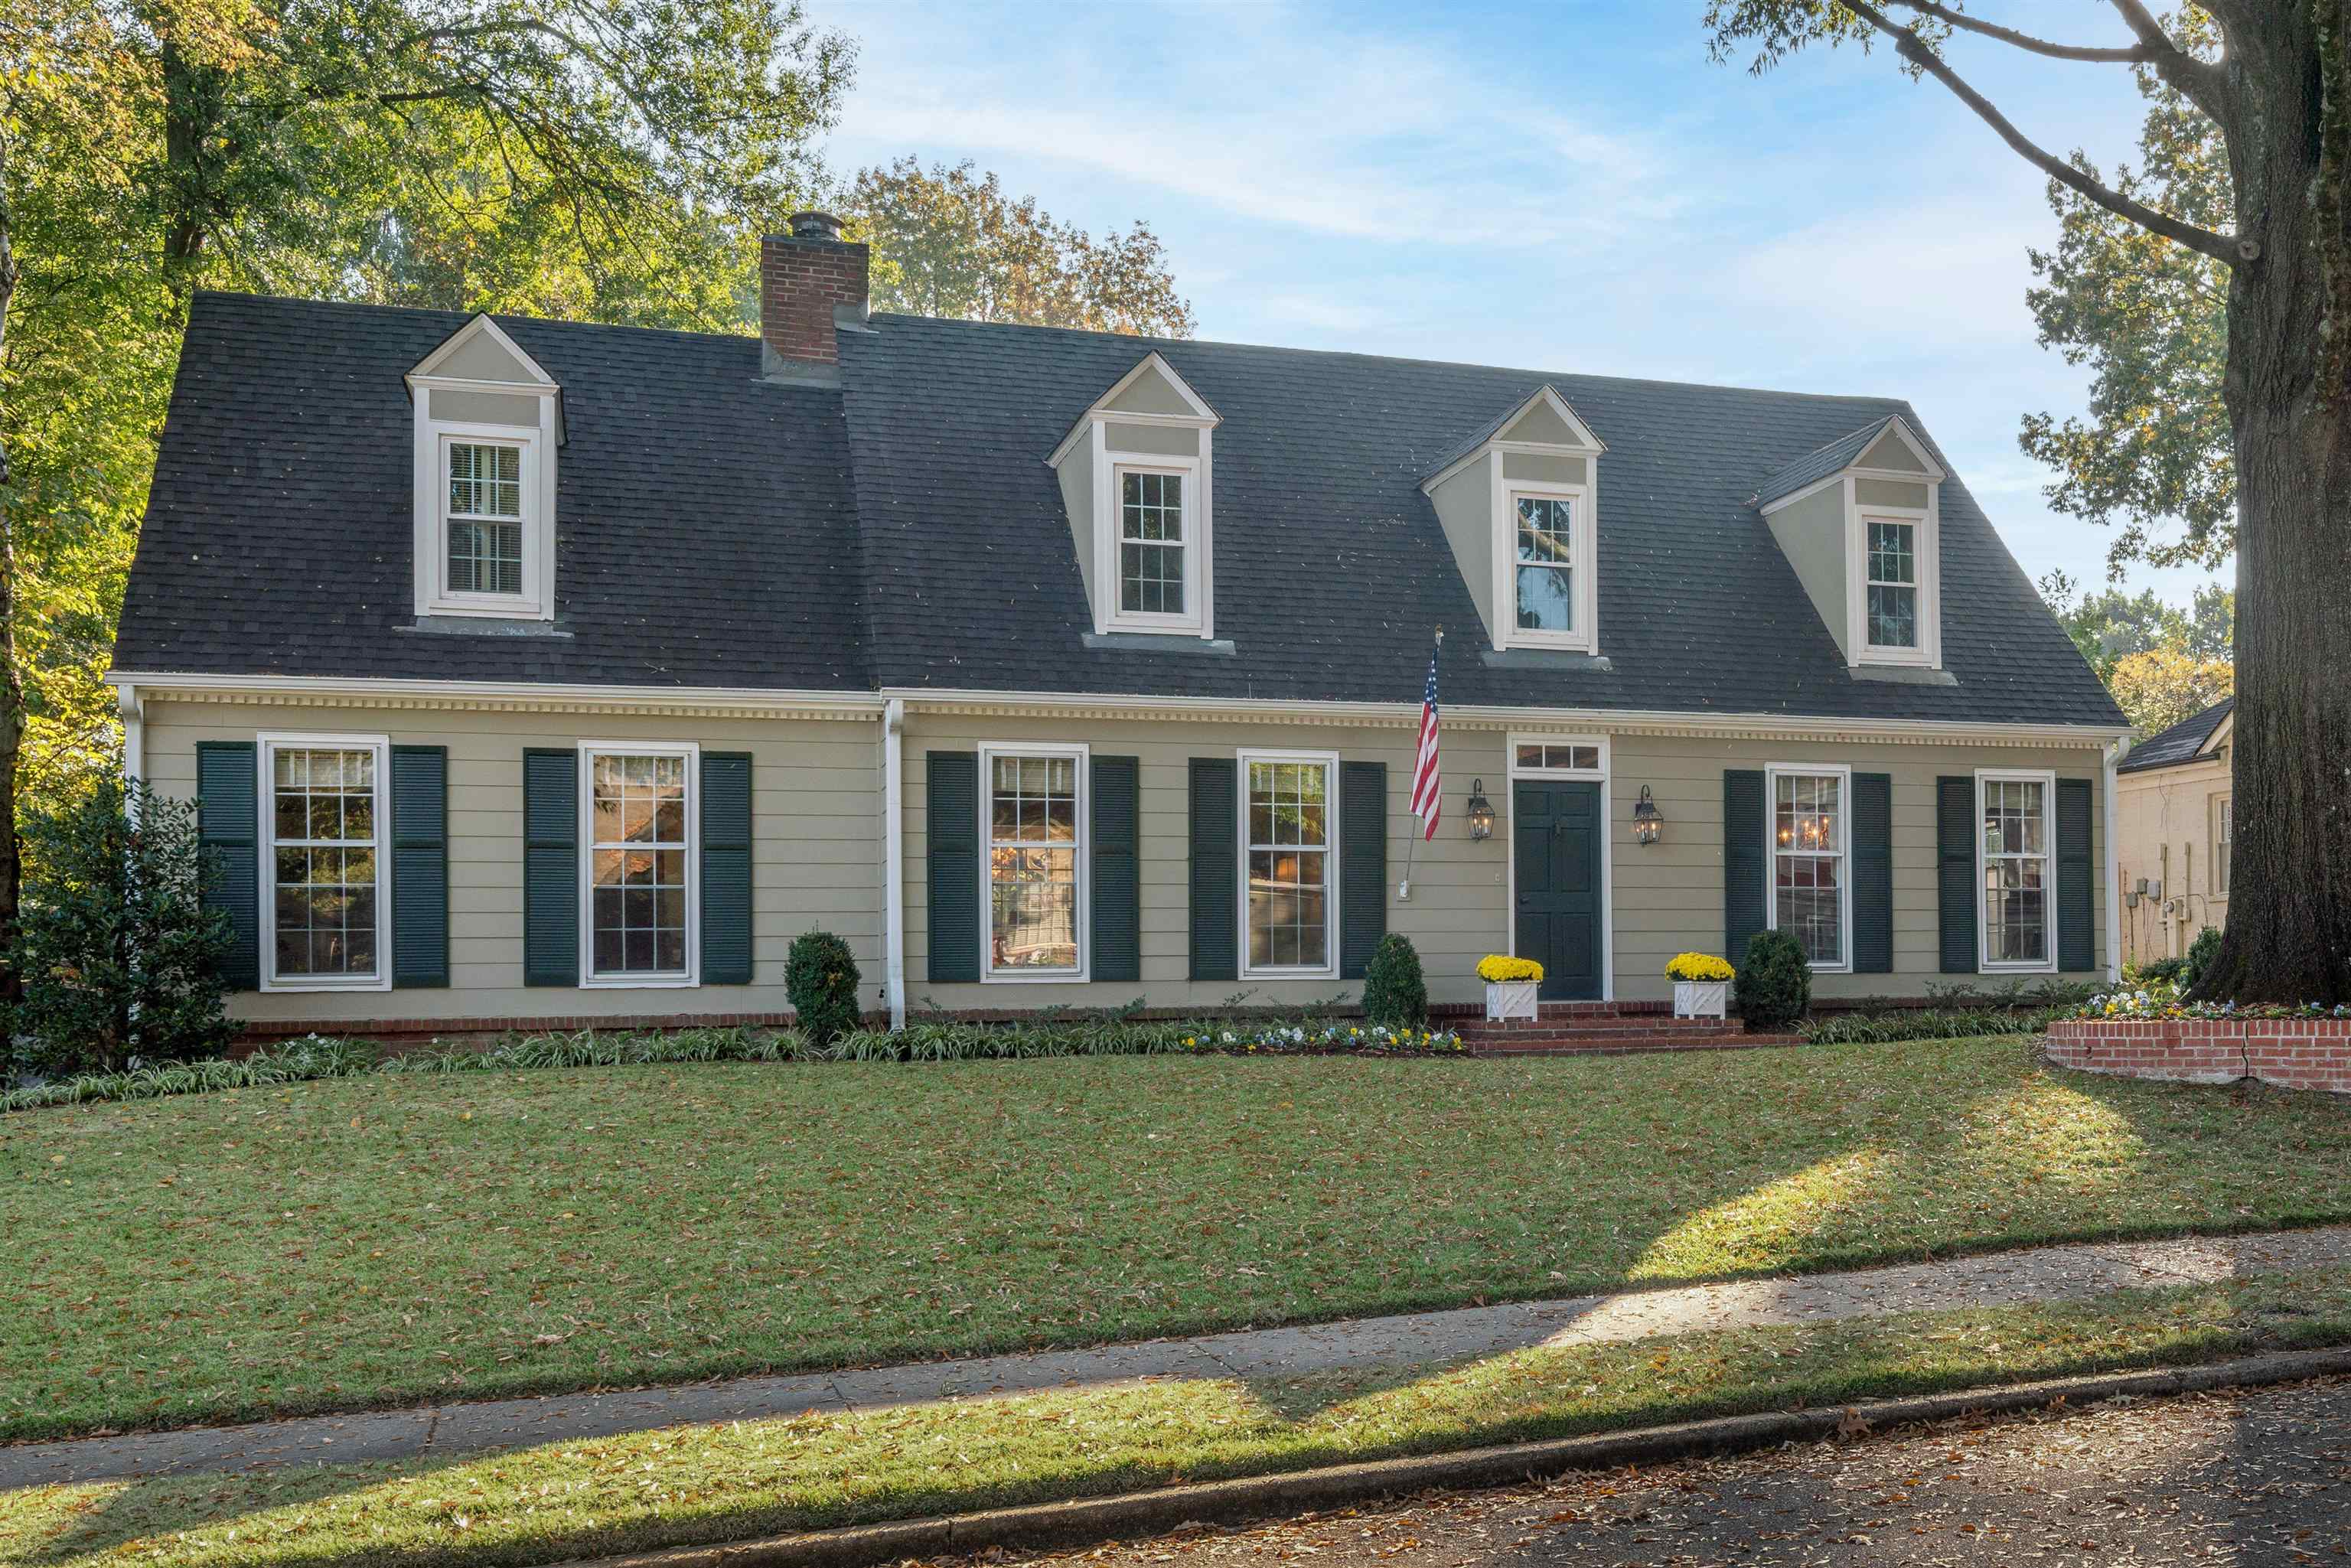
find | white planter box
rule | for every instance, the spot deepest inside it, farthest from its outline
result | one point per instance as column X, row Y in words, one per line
column 1510, row 999
column 1701, row 999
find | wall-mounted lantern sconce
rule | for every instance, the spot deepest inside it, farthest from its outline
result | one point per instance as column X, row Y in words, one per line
column 1481, row 813
column 1648, row 823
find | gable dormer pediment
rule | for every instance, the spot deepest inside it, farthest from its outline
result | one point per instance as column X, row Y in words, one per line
column 1860, row 521
column 488, row 420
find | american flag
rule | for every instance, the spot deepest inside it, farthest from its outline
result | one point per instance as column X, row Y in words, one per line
column 1427, row 787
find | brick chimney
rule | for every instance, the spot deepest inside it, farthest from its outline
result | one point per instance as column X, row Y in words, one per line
column 812, row 283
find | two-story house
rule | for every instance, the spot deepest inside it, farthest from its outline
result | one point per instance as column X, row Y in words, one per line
column 530, row 670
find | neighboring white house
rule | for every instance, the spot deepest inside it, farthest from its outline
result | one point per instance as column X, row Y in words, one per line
column 2172, row 833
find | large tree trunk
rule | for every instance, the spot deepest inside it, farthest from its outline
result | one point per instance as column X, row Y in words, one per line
column 11, row 690
column 2288, row 393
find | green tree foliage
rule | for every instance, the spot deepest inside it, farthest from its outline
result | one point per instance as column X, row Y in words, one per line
column 120, row 958
column 2162, row 664
column 2160, row 687
column 821, row 978
column 2148, row 319
column 948, row 242
column 1773, row 985
column 1394, row 991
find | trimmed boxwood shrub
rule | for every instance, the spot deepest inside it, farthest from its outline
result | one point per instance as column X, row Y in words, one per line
column 820, row 977
column 1394, row 993
column 1774, row 986
column 2201, row 954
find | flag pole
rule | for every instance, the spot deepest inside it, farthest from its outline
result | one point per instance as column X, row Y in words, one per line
column 1412, row 839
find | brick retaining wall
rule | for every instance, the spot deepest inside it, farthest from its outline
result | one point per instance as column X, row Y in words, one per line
column 2293, row 1053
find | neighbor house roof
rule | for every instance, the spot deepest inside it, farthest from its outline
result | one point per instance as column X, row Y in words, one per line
column 904, row 530
column 2183, row 742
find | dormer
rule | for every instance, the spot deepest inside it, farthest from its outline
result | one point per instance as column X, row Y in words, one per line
column 1138, row 479
column 489, row 422
column 1861, row 521
column 1519, row 502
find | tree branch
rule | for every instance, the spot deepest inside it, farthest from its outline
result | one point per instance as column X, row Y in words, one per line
column 2131, row 55
column 1914, row 50
column 2201, row 82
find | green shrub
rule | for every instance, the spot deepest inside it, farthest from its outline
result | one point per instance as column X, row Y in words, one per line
column 2164, row 971
column 1928, row 1023
column 2201, row 954
column 1774, row 986
column 820, row 977
column 120, row 958
column 1394, row 993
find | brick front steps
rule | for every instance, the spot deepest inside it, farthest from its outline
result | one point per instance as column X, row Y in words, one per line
column 2293, row 1053
column 1608, row 1029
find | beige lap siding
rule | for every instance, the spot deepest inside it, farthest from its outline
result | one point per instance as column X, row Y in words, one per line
column 1458, row 894
column 817, row 847
column 1668, row 897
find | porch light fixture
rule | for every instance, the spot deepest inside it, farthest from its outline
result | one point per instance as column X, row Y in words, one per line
column 1648, row 820
column 1481, row 813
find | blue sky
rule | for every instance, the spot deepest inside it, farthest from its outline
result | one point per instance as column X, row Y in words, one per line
column 1569, row 187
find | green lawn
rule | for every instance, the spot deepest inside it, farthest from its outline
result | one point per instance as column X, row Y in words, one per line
column 382, row 1240
column 691, row 1485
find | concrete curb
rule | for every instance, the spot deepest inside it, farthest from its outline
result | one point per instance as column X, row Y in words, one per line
column 1087, row 1521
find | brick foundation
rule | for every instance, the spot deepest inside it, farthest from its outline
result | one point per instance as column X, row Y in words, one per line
column 2293, row 1053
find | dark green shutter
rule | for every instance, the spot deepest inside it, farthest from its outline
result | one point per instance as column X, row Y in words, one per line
column 228, row 824
column 2076, row 909
column 1873, row 873
column 1115, row 893
column 420, row 866
column 1362, row 864
column 1742, row 861
column 550, row 868
column 1955, row 870
column 1216, row 870
column 726, row 868
column 953, row 827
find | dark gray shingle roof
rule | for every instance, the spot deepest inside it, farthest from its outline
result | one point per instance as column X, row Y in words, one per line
column 2180, row 743
column 1833, row 458
column 706, row 535
column 904, row 530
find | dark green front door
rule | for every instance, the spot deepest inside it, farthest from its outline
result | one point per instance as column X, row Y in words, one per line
column 1555, row 844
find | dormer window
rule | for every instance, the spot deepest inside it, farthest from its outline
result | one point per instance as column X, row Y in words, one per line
column 1860, row 521
column 489, row 421
column 1137, row 477
column 1518, row 503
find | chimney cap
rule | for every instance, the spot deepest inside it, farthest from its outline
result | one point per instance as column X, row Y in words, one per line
column 814, row 225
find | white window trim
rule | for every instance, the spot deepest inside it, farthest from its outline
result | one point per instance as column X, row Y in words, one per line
column 2223, row 850
column 1512, row 774
column 1926, row 555
column 1110, row 532
column 1585, row 638
column 540, row 441
column 1083, row 753
column 270, row 743
column 1331, row 883
column 692, row 752
column 2047, row 779
column 1772, row 774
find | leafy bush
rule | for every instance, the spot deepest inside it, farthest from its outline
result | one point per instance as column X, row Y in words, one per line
column 1774, row 986
column 120, row 960
column 820, row 977
column 1394, row 993
column 2157, row 971
column 1928, row 1023
column 2201, row 954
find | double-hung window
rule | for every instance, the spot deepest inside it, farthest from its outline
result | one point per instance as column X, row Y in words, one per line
column 1546, row 563
column 1289, row 863
column 1809, row 831
column 641, row 830
column 2013, row 811
column 324, row 819
column 485, row 517
column 1891, row 603
column 1155, row 545
column 1034, row 826
column 2220, row 836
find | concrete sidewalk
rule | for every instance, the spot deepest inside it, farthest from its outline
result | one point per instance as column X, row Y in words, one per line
column 2000, row 1279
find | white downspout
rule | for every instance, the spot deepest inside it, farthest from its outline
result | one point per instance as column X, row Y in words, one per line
column 132, row 712
column 2115, row 755
column 894, row 859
